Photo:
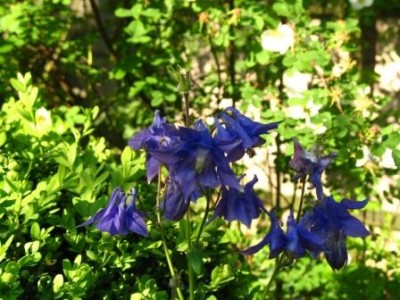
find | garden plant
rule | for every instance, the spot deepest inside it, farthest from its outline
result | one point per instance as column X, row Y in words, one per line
column 234, row 149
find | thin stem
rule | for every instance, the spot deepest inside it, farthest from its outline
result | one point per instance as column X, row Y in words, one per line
column 187, row 116
column 215, row 55
column 203, row 223
column 278, row 265
column 278, row 174
column 188, row 230
column 232, row 58
column 190, row 269
column 164, row 241
column 303, row 187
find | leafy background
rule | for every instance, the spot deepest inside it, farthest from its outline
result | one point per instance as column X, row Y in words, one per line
column 91, row 73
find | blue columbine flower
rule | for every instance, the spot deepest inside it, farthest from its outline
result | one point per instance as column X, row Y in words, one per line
column 239, row 133
column 331, row 220
column 117, row 218
column 175, row 203
column 240, row 205
column 159, row 135
column 228, row 141
column 197, row 163
column 275, row 239
column 309, row 163
column 297, row 240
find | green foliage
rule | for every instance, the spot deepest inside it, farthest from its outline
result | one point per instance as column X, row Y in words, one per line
column 99, row 72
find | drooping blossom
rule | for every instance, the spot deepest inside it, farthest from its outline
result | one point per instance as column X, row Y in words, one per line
column 243, row 206
column 117, row 218
column 297, row 240
column 332, row 221
column 275, row 239
column 309, row 163
column 239, row 133
column 160, row 135
column 176, row 203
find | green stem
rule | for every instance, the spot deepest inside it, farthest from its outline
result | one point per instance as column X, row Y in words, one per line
column 164, row 241
column 203, row 223
column 187, row 115
column 278, row 265
column 303, row 187
column 190, row 269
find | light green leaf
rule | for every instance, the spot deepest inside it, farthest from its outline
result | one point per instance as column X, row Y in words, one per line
column 58, row 282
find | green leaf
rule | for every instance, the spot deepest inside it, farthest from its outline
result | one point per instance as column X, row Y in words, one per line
column 396, row 157
column 92, row 255
column 221, row 275
column 196, row 261
column 35, row 231
column 263, row 57
column 71, row 154
column 3, row 138
column 58, row 282
column 3, row 248
column 282, row 9
column 18, row 86
column 123, row 13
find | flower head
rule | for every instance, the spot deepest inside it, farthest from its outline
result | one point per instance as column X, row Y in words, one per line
column 332, row 220
column 159, row 135
column 360, row 4
column 240, row 133
column 309, row 163
column 240, row 205
column 176, row 203
column 278, row 40
column 117, row 218
column 275, row 239
column 197, row 163
column 297, row 240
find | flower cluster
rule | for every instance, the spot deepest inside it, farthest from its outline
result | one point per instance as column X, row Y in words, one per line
column 197, row 160
column 324, row 228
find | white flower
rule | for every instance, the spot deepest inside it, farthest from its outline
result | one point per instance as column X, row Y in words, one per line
column 295, row 83
column 278, row 40
column 387, row 160
column 389, row 70
column 360, row 4
column 43, row 121
column 306, row 111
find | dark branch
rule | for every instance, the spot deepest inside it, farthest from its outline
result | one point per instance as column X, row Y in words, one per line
column 100, row 25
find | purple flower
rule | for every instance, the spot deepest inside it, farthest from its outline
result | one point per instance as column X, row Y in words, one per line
column 275, row 239
column 159, row 135
column 332, row 220
column 228, row 141
column 116, row 218
column 297, row 240
column 240, row 205
column 175, row 203
column 308, row 163
column 240, row 133
column 197, row 163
